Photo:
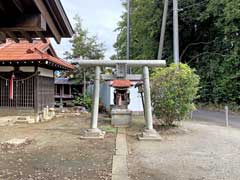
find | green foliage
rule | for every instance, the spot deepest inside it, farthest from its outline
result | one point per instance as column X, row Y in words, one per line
column 83, row 100
column 173, row 92
column 209, row 42
column 84, row 46
column 109, row 129
column 144, row 30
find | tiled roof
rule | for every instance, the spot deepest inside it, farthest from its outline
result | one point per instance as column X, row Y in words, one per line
column 63, row 81
column 121, row 83
column 25, row 51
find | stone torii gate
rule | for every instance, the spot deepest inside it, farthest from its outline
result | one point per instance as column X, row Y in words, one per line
column 149, row 133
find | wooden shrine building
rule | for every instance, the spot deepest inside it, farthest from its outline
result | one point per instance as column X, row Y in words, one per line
column 65, row 91
column 31, row 19
column 27, row 77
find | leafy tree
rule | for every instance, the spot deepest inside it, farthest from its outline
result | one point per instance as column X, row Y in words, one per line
column 84, row 46
column 209, row 42
column 144, row 30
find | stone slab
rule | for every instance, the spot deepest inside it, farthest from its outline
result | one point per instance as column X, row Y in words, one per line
column 17, row 141
column 119, row 177
column 121, row 130
column 121, row 145
column 120, row 165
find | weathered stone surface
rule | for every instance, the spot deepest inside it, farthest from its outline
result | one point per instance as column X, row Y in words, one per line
column 119, row 177
column 121, row 117
column 93, row 134
column 149, row 135
column 119, row 166
column 121, row 145
column 17, row 141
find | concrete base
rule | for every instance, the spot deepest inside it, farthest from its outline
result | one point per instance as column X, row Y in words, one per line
column 149, row 135
column 93, row 134
column 121, row 117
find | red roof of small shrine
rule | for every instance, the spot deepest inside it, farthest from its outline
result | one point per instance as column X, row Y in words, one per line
column 25, row 51
column 121, row 83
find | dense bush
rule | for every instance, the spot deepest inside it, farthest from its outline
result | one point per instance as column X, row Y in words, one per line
column 85, row 101
column 173, row 92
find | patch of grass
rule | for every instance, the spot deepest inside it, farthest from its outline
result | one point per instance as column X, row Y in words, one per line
column 109, row 129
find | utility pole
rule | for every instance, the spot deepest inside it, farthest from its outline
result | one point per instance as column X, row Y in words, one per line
column 128, row 30
column 175, row 32
column 163, row 29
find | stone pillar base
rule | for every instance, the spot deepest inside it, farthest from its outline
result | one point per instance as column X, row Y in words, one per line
column 93, row 134
column 149, row 135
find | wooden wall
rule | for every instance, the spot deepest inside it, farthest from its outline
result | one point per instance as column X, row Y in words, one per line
column 45, row 93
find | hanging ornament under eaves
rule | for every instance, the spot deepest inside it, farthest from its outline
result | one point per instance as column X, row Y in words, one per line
column 11, row 86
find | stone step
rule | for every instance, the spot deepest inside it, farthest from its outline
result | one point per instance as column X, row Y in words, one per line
column 24, row 120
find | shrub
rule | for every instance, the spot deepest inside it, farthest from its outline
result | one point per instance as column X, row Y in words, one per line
column 85, row 101
column 173, row 92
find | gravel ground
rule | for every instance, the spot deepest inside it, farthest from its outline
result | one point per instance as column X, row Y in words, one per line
column 193, row 151
column 55, row 152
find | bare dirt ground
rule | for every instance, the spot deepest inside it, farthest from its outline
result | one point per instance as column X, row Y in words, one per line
column 193, row 151
column 55, row 152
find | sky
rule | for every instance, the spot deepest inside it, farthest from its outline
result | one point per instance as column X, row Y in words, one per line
column 99, row 17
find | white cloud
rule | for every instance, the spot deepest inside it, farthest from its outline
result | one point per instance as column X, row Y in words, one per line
column 100, row 17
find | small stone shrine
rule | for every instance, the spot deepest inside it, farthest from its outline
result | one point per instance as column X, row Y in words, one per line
column 121, row 115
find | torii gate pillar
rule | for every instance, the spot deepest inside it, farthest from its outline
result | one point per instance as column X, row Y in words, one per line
column 94, row 132
column 149, row 133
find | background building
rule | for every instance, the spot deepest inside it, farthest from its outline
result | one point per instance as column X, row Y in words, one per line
column 27, row 77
